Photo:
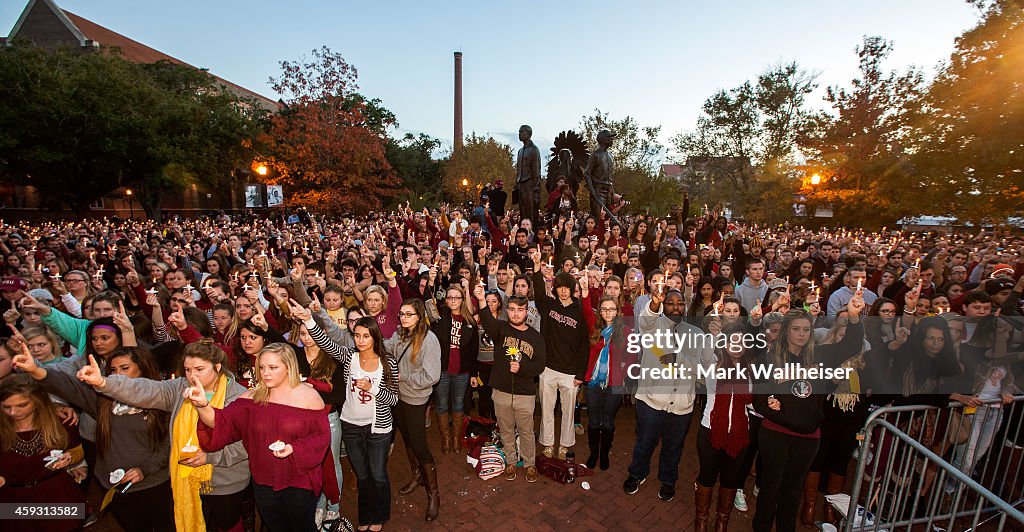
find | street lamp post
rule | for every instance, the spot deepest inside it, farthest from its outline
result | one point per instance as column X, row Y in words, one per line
column 465, row 186
column 131, row 206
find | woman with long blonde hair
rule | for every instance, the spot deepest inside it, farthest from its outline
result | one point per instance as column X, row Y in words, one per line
column 792, row 408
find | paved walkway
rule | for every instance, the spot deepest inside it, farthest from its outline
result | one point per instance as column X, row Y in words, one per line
column 468, row 502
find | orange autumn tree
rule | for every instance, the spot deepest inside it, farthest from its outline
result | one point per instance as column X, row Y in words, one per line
column 323, row 146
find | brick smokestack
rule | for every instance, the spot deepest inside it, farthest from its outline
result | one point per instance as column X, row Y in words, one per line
column 458, row 100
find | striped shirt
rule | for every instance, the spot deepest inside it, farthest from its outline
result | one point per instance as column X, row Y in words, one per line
column 385, row 392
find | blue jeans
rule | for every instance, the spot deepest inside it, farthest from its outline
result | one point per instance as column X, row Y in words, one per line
column 453, row 386
column 335, row 420
column 602, row 405
column 653, row 425
column 368, row 454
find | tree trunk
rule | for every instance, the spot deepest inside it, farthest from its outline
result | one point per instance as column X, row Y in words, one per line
column 151, row 201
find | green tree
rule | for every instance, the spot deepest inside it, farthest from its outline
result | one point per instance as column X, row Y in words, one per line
column 481, row 160
column 413, row 161
column 746, row 137
column 967, row 152
column 77, row 126
column 202, row 134
column 861, row 148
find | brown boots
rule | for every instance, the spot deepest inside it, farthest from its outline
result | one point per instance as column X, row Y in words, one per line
column 423, row 475
column 836, row 483
column 702, row 496
column 417, row 473
column 725, row 501
column 429, row 472
column 810, row 499
column 456, row 432
column 445, row 426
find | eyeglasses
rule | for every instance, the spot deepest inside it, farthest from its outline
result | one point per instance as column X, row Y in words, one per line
column 404, row 315
column 73, row 280
column 453, row 298
column 351, row 321
column 887, row 311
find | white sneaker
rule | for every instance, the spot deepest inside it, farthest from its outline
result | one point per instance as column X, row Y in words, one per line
column 740, row 501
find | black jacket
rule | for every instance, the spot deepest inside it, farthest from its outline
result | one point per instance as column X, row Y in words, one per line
column 469, row 342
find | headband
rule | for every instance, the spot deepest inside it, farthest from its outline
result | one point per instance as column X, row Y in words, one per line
column 109, row 327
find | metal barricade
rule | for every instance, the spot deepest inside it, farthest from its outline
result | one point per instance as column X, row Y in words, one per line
column 940, row 469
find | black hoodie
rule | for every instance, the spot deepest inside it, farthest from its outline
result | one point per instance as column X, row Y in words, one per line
column 803, row 400
column 565, row 334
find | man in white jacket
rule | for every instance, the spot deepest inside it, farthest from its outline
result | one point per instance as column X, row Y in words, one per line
column 664, row 403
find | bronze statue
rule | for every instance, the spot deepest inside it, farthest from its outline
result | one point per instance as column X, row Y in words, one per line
column 528, row 175
column 599, row 174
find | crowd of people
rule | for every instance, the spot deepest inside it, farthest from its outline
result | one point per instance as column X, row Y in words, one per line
column 208, row 371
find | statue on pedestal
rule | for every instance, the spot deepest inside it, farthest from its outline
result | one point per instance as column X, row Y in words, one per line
column 598, row 175
column 528, row 175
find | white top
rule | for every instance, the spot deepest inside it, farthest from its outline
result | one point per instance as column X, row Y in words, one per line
column 360, row 406
column 712, row 385
column 993, row 385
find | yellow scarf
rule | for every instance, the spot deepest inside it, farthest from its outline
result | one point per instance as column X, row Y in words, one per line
column 187, row 483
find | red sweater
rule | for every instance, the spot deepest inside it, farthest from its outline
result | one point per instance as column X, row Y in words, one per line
column 258, row 426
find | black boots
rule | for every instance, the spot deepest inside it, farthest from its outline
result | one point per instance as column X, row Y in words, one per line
column 607, row 435
column 594, row 439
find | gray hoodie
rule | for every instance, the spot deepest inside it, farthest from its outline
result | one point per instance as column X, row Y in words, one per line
column 416, row 380
column 749, row 295
column 230, row 465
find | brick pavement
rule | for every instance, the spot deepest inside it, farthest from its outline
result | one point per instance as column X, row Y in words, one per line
column 497, row 504
column 468, row 502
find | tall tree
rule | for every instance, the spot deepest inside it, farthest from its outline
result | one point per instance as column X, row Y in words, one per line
column 77, row 126
column 967, row 146
column 481, row 160
column 327, row 147
column 743, row 130
column 412, row 157
column 861, row 149
column 202, row 134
